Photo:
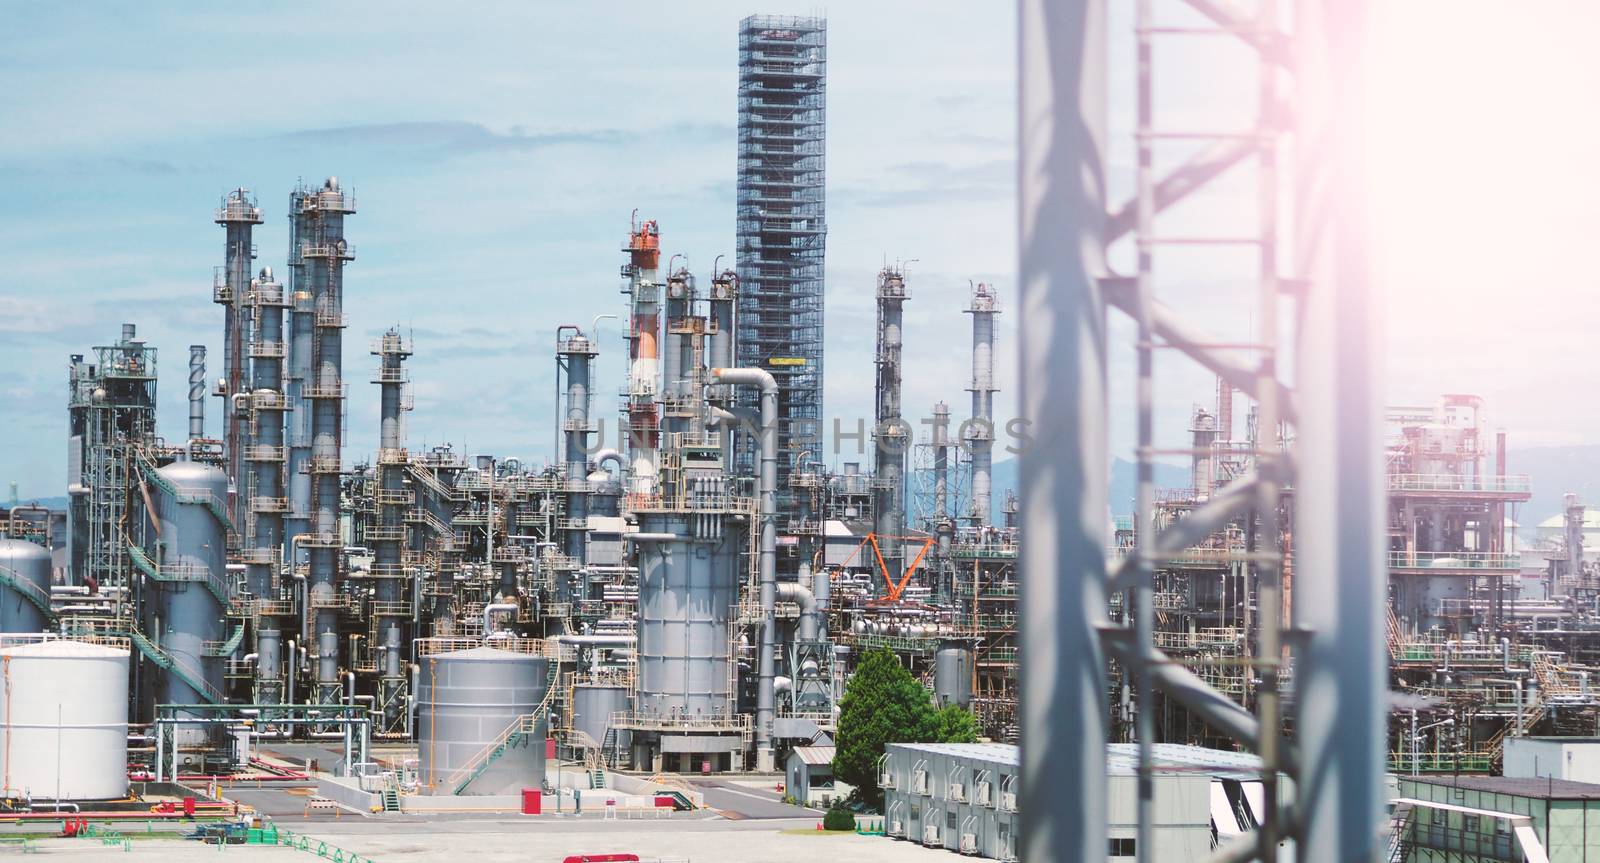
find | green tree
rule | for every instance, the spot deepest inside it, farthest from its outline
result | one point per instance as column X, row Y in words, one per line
column 957, row 725
column 882, row 704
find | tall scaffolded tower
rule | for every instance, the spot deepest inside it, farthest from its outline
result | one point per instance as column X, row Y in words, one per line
column 323, row 253
column 111, row 420
column 890, row 433
column 781, row 220
column 230, row 289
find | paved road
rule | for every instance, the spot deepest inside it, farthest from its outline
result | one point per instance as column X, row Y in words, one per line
column 742, row 801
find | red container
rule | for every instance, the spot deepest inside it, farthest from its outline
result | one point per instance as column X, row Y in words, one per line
column 532, row 801
column 188, row 807
column 549, row 747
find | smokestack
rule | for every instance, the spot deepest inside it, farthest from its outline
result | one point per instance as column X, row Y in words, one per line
column 644, row 327
column 128, row 331
column 197, row 392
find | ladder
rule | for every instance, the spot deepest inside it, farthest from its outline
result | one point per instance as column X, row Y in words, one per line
column 391, row 799
column 1399, row 843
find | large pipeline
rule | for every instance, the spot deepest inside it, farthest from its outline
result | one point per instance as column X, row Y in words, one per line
column 767, row 562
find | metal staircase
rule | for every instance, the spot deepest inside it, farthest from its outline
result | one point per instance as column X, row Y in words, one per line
column 182, row 575
column 391, row 799
column 169, row 663
column 521, row 733
column 1399, row 841
column 29, row 591
column 597, row 779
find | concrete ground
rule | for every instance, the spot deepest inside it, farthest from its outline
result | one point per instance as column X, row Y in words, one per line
column 528, row 840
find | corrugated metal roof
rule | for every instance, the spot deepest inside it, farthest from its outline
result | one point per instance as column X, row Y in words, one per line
column 815, row 754
column 1121, row 758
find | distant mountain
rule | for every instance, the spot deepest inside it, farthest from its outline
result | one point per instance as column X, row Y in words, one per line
column 55, row 503
column 1004, row 478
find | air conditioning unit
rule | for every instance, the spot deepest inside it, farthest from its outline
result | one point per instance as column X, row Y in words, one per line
column 1008, row 801
column 984, row 798
column 930, row 834
column 919, row 782
column 969, row 843
column 958, row 792
column 896, row 828
column 886, row 779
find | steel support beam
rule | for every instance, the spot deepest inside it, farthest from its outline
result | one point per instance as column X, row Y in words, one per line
column 1339, row 492
column 1061, row 222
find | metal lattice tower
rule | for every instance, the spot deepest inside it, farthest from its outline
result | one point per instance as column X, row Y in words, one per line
column 781, row 221
column 111, row 417
column 1336, row 654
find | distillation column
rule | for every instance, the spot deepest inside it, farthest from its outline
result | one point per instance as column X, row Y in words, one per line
column 644, row 327
column 576, row 352
column 389, row 536
column 264, row 486
column 301, row 329
column 980, row 428
column 238, row 215
column 889, row 433
column 325, row 252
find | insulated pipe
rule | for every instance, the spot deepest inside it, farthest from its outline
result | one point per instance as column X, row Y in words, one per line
column 490, row 610
column 197, row 392
column 610, row 454
column 598, row 640
column 802, row 596
column 768, row 560
column 646, row 536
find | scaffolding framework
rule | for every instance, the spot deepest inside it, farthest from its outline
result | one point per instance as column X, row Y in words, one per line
column 1066, row 577
column 781, row 222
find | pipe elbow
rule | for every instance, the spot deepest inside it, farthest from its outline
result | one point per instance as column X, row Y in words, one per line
column 798, row 594
column 748, row 377
column 611, row 454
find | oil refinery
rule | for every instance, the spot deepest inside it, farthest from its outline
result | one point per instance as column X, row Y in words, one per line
column 1328, row 637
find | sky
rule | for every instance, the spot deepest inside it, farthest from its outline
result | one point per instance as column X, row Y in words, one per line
column 497, row 157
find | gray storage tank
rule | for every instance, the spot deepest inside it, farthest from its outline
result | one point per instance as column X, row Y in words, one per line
column 952, row 674
column 24, row 586
column 468, row 702
column 191, row 557
column 593, row 705
column 688, row 588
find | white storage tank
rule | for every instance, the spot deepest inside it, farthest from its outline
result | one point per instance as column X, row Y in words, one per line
column 63, row 720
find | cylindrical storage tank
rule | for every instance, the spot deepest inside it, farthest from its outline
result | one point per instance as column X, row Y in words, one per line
column 688, row 588
column 470, row 700
column 64, row 721
column 593, row 705
column 192, row 556
column 952, row 675
column 25, row 586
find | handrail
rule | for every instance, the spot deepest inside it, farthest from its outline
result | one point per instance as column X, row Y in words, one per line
column 29, row 591
column 189, row 676
column 1512, row 483
column 1455, row 559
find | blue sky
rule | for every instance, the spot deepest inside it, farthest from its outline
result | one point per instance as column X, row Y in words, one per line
column 496, row 157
